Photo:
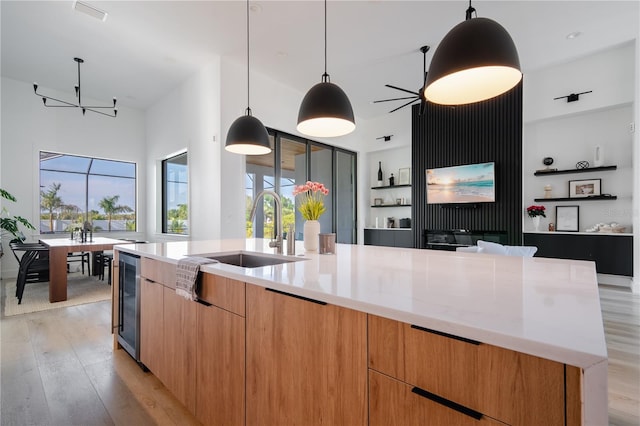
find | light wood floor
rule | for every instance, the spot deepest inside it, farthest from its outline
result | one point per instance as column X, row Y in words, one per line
column 58, row 368
column 621, row 316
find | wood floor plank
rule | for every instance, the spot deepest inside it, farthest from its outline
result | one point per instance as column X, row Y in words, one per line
column 621, row 317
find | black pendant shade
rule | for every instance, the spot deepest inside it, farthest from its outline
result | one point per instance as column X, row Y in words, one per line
column 325, row 112
column 476, row 60
column 247, row 136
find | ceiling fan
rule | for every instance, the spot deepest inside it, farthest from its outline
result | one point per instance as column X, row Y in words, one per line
column 417, row 96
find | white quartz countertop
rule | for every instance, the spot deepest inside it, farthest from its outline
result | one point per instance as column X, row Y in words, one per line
column 544, row 307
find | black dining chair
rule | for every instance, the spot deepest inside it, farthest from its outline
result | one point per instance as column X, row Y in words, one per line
column 103, row 260
column 82, row 257
column 33, row 260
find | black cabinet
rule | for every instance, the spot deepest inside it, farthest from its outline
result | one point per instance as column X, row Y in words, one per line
column 389, row 237
column 612, row 254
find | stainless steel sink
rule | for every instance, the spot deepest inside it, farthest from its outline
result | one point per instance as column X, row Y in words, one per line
column 249, row 260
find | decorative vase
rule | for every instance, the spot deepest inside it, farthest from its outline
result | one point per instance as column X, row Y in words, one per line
column 311, row 231
column 536, row 222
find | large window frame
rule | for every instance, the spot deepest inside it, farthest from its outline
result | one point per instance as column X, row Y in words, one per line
column 175, row 194
column 256, row 228
column 73, row 190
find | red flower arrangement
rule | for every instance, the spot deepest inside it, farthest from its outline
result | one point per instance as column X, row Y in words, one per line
column 534, row 211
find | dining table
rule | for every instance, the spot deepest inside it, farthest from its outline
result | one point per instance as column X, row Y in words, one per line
column 58, row 250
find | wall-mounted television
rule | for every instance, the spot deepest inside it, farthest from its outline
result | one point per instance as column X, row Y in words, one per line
column 470, row 183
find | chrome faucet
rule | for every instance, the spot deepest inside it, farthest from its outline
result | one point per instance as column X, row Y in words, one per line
column 278, row 237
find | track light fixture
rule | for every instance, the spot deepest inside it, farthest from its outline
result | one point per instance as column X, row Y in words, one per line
column 476, row 60
column 247, row 134
column 78, row 90
column 325, row 110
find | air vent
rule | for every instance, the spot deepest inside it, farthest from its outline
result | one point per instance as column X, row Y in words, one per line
column 83, row 7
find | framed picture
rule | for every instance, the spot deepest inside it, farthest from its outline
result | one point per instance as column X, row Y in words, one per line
column 377, row 201
column 404, row 176
column 584, row 188
column 567, row 218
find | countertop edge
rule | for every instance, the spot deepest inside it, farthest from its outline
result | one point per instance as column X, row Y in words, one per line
column 552, row 352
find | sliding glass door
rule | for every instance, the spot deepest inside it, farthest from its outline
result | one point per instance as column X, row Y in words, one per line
column 292, row 162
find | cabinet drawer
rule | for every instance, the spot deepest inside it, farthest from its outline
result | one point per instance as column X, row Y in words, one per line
column 223, row 292
column 439, row 364
column 392, row 402
column 510, row 386
column 157, row 271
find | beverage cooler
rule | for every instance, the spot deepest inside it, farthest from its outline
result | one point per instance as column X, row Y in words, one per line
column 129, row 304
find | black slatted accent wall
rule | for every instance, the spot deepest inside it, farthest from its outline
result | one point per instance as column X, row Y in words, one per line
column 477, row 133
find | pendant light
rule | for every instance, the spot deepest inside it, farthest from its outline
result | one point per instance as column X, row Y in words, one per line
column 247, row 134
column 325, row 110
column 476, row 60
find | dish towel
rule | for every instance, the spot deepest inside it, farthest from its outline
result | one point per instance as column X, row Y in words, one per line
column 187, row 275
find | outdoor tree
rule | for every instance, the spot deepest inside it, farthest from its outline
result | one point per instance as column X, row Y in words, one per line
column 111, row 207
column 50, row 200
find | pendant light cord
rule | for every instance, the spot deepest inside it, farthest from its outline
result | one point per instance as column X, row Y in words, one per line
column 470, row 11
column 248, row 91
column 325, row 76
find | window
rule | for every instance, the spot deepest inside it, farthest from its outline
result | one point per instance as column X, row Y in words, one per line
column 175, row 192
column 75, row 190
column 299, row 160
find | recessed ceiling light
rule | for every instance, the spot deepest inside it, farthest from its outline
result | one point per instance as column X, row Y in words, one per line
column 86, row 8
column 573, row 35
column 281, row 54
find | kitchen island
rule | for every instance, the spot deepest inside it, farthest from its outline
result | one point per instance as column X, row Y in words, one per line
column 377, row 335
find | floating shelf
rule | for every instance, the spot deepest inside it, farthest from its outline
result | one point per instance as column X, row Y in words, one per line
column 594, row 198
column 588, row 169
column 392, row 205
column 388, row 187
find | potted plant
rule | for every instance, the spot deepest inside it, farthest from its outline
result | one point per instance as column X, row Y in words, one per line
column 311, row 206
column 534, row 213
column 10, row 224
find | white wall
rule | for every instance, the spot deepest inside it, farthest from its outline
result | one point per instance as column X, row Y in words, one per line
column 188, row 118
column 609, row 74
column 570, row 131
column 28, row 127
column 569, row 139
column 394, row 154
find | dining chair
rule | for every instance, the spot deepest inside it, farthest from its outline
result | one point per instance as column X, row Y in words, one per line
column 33, row 259
column 82, row 257
column 103, row 260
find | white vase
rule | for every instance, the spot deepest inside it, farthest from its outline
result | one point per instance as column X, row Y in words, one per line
column 310, row 235
column 536, row 222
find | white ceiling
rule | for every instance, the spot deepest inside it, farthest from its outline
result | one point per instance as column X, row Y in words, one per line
column 146, row 48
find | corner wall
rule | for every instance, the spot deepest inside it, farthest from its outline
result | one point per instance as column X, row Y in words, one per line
column 187, row 118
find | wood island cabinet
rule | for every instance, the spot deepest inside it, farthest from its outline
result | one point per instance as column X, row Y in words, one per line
column 306, row 361
column 505, row 385
column 394, row 402
column 250, row 355
column 167, row 331
column 151, row 327
column 220, row 366
column 179, row 348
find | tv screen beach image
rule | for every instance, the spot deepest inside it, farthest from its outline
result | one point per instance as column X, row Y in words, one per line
column 473, row 183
